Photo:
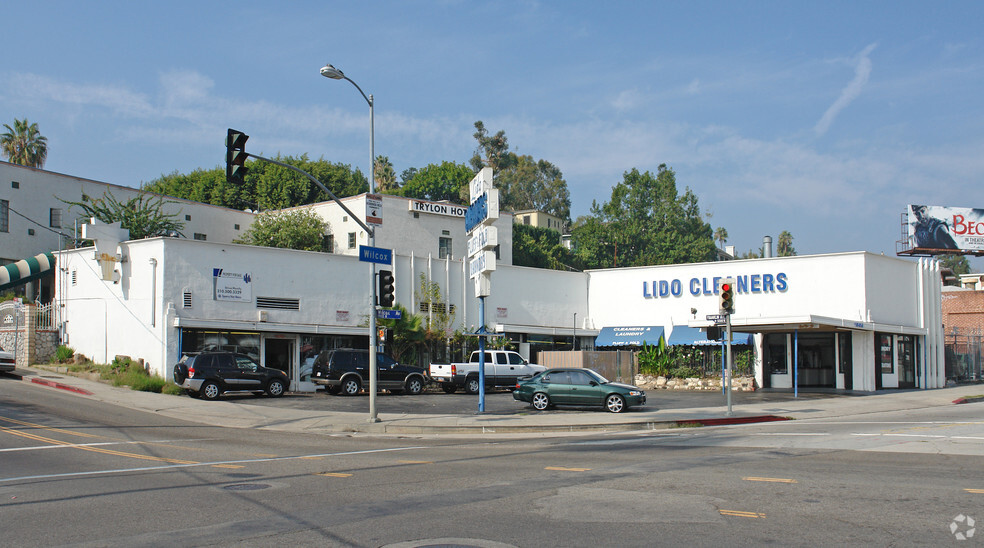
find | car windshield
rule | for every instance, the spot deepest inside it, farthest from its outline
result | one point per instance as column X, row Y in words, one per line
column 597, row 376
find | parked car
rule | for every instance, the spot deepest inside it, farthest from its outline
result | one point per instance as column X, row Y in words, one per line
column 7, row 362
column 502, row 369
column 210, row 374
column 346, row 371
column 581, row 387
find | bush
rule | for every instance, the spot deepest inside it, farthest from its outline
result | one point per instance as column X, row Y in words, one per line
column 685, row 372
column 172, row 389
column 64, row 353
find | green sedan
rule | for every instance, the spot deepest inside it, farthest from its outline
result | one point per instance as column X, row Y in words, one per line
column 580, row 387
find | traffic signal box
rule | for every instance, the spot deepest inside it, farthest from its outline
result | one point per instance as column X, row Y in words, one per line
column 236, row 156
column 726, row 296
column 387, row 288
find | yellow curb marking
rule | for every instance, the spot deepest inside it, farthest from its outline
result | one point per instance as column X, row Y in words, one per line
column 773, row 480
column 564, row 469
column 741, row 514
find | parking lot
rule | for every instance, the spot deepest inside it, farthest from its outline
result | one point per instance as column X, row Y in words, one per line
column 436, row 402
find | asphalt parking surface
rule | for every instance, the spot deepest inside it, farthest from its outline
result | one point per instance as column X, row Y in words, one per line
column 502, row 403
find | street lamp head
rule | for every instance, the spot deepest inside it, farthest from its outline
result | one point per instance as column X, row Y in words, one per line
column 329, row 71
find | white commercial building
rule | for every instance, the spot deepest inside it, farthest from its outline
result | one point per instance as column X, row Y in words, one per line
column 847, row 321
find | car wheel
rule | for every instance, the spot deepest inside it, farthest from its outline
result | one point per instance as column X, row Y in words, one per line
column 351, row 386
column 472, row 385
column 541, row 401
column 615, row 403
column 275, row 388
column 414, row 386
column 180, row 373
column 210, row 391
column 449, row 387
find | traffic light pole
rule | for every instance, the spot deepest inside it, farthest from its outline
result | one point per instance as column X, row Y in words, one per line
column 373, row 366
column 727, row 380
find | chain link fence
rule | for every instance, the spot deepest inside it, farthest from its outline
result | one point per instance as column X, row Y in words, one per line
column 962, row 358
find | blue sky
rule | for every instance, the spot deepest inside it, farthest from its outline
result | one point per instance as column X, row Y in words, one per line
column 821, row 118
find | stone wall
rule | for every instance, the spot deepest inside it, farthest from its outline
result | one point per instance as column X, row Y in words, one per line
column 649, row 382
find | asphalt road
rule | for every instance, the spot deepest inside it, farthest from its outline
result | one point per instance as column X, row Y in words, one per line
column 74, row 471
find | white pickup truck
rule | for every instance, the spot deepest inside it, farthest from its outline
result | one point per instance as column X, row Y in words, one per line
column 502, row 368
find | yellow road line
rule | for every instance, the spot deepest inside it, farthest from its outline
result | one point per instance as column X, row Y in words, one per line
column 227, row 466
column 975, row 491
column 415, row 461
column 773, row 480
column 741, row 514
column 334, row 474
column 43, row 427
column 564, row 469
column 104, row 451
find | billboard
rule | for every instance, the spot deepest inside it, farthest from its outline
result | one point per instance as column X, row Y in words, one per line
column 946, row 228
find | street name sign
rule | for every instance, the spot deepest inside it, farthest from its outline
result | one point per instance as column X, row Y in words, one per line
column 378, row 255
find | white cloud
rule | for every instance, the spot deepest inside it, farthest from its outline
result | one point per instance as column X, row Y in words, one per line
column 862, row 70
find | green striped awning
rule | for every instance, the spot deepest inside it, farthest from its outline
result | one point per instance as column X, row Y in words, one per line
column 21, row 272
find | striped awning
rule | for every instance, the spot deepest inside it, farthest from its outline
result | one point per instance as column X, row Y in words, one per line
column 21, row 272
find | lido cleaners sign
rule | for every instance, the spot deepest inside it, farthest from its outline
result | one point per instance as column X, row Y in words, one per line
column 748, row 283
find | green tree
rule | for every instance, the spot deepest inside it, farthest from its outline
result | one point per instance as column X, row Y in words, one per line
column 23, row 144
column 492, row 151
column 541, row 248
column 437, row 182
column 524, row 183
column 958, row 264
column 534, row 184
column 267, row 186
column 293, row 229
column 408, row 335
column 143, row 215
column 784, row 247
column 646, row 222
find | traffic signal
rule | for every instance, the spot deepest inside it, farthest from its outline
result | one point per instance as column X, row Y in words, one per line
column 236, row 156
column 387, row 288
column 726, row 296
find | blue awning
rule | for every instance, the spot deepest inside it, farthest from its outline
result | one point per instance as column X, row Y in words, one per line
column 629, row 336
column 692, row 336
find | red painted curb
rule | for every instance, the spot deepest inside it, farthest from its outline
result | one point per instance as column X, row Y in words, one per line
column 38, row 380
column 734, row 420
column 960, row 400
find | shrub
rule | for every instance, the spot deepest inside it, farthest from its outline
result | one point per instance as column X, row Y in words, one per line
column 64, row 353
column 685, row 372
column 172, row 389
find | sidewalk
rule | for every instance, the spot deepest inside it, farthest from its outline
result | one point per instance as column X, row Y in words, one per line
column 525, row 420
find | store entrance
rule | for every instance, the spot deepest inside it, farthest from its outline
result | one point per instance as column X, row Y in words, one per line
column 279, row 354
column 815, row 356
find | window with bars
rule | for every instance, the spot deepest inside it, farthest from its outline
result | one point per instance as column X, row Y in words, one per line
column 4, row 216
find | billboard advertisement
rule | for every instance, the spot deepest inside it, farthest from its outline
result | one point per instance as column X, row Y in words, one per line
column 946, row 228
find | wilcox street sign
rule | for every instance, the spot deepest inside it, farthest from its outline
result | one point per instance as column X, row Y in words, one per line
column 378, row 255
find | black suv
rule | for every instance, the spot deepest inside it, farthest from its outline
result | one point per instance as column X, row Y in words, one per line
column 346, row 370
column 209, row 374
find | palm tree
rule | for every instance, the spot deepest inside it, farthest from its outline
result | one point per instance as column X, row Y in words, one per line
column 23, row 144
column 721, row 235
column 785, row 244
column 385, row 175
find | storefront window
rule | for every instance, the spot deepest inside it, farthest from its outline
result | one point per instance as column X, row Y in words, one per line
column 200, row 340
column 775, row 353
column 884, row 353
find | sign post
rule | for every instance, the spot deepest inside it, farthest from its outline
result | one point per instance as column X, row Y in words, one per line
column 482, row 238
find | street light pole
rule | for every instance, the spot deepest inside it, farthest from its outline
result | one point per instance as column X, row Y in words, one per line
column 329, row 71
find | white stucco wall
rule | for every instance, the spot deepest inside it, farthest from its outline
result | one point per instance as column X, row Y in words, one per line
column 39, row 191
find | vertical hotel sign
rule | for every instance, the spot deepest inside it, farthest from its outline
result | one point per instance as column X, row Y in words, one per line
column 482, row 237
column 232, row 286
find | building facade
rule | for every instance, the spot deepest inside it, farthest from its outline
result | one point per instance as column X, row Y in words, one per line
column 851, row 321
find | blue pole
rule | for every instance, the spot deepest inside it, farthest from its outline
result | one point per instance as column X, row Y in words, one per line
column 481, row 356
column 796, row 349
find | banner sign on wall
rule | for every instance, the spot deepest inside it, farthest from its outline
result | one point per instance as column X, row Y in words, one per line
column 951, row 228
column 232, row 286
